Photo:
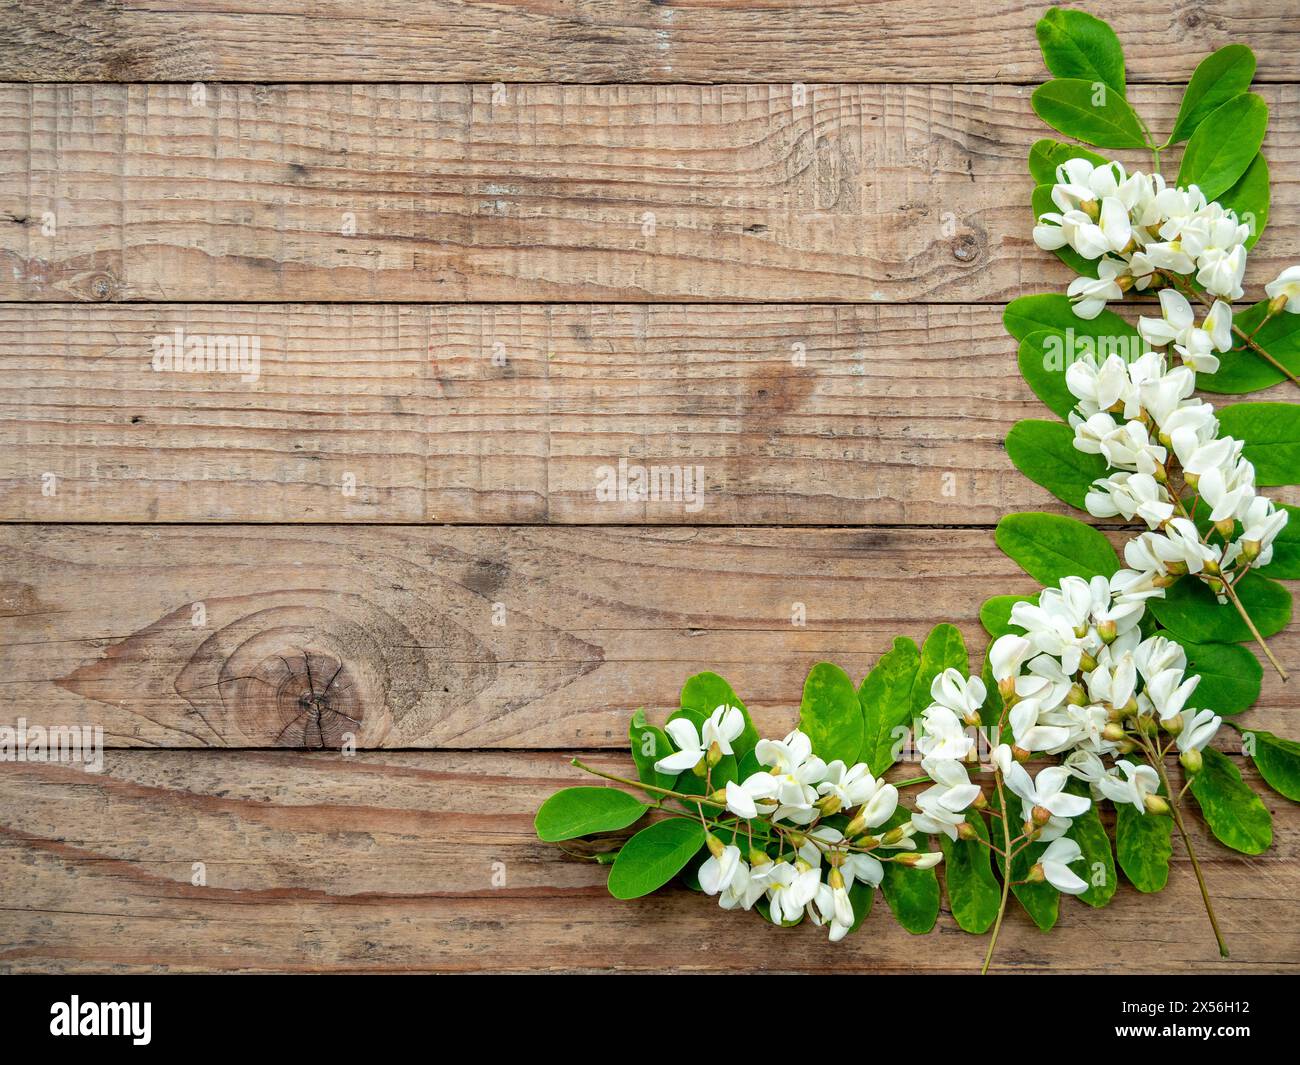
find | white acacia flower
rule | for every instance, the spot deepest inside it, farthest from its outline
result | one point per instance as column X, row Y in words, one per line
column 855, row 786
column 1131, row 495
column 1158, row 654
column 1220, row 272
column 1137, row 783
column 795, row 769
column 1046, row 790
column 962, row 696
column 1169, row 691
column 744, row 890
column 1286, row 286
column 725, row 724
column 1199, row 727
column 1007, row 655
column 1089, row 295
column 952, row 790
column 943, row 735
column 831, row 906
column 790, row 887
column 1055, row 862
column 718, row 871
column 744, row 799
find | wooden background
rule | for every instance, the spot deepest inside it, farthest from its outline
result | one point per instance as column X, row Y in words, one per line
column 635, row 203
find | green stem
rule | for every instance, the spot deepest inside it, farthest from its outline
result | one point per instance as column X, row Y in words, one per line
column 1006, row 873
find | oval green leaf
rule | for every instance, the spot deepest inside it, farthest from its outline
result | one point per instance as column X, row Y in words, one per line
column 912, row 894
column 1143, row 844
column 1278, row 761
column 1093, row 113
column 649, row 743
column 886, row 700
column 1078, row 45
column 1218, row 78
column 1230, row 676
column 577, row 812
column 1051, row 546
column 1271, row 432
column 1190, row 611
column 1051, row 310
column 654, row 856
column 1043, row 363
column 830, row 713
column 1045, row 453
column 1234, row 813
column 1224, row 145
column 995, row 614
column 1098, row 867
column 973, row 890
column 1249, row 199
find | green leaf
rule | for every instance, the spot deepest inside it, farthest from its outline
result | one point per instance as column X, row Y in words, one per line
column 705, row 692
column 1234, row 813
column 1218, row 78
column 1230, row 676
column 654, row 856
column 649, row 743
column 995, row 614
column 973, row 890
column 1285, row 563
column 1143, row 844
column 577, row 812
column 1051, row 546
column 1078, row 45
column 1043, row 365
column 1271, row 433
column 1242, row 370
column 1092, row 113
column 861, row 896
column 830, row 713
column 1191, row 612
column 1249, row 199
column 1052, row 311
column 1045, row 453
column 912, row 894
column 1224, row 145
column 1090, row 834
column 943, row 649
column 1047, row 154
column 1278, row 762
column 886, row 700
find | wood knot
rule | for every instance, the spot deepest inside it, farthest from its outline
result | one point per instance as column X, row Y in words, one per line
column 305, row 699
column 101, row 287
column 965, row 248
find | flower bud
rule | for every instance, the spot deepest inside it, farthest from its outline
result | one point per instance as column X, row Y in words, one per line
column 835, row 859
column 1192, row 761
column 1041, row 815
column 1148, row 725
column 1036, row 874
column 1107, row 630
column 1226, row 527
column 1250, row 550
column 1174, row 725
column 1087, row 663
column 835, row 880
column 700, row 769
column 720, row 796
column 828, row 804
column 797, row 839
column 1030, row 830
column 1155, row 804
column 981, row 802
column 1161, row 475
column 893, row 836
column 716, row 847
column 907, row 858
column 867, row 842
column 1007, row 688
column 1076, row 696
column 1166, row 580
column 857, row 825
column 966, row 831
column 1126, row 746
column 1191, row 480
column 1020, row 754
column 758, row 857
column 1277, row 304
column 1091, row 208
column 715, row 754
column 1114, row 732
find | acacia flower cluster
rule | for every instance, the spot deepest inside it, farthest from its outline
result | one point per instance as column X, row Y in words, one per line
column 1165, row 447
column 1136, row 227
column 785, row 805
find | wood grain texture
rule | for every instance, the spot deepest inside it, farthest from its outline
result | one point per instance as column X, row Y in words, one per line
column 786, row 414
column 307, row 633
column 603, row 40
column 428, row 862
column 862, row 193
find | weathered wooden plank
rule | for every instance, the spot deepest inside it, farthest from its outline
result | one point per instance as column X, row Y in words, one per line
column 602, row 40
column 402, row 862
column 464, row 637
column 785, row 414
column 541, row 192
